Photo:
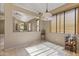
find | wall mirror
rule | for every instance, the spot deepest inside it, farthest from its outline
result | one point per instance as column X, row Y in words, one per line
column 24, row 23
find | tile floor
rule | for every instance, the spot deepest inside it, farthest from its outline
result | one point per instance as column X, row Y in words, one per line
column 44, row 48
column 49, row 49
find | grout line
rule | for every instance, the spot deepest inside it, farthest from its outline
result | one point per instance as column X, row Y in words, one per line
column 51, row 53
column 41, row 52
column 38, row 50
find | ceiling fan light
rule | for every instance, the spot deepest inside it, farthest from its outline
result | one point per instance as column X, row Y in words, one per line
column 37, row 17
column 47, row 15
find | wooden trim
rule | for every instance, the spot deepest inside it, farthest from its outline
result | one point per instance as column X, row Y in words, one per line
column 59, row 22
column 78, row 22
column 56, row 23
column 75, row 21
column 65, row 7
column 50, row 25
column 64, row 21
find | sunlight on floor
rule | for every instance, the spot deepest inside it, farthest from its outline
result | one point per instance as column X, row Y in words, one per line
column 46, row 49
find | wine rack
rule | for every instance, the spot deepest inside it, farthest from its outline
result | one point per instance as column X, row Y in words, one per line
column 71, row 43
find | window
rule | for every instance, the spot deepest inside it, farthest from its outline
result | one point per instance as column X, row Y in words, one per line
column 58, row 23
column 21, row 26
column 65, row 22
column 53, row 24
column 62, row 23
column 70, row 22
column 38, row 25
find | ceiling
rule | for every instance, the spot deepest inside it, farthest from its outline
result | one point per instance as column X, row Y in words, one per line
column 22, row 17
column 39, row 7
column 34, row 7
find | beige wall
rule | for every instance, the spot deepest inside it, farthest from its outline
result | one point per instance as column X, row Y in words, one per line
column 21, row 39
column 15, row 39
column 56, row 38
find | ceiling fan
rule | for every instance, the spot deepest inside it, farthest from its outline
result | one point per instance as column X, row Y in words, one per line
column 47, row 16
